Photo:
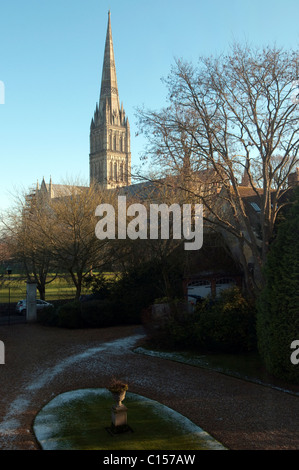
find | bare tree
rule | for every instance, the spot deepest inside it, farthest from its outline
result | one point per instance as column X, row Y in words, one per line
column 56, row 236
column 233, row 116
column 69, row 232
column 22, row 238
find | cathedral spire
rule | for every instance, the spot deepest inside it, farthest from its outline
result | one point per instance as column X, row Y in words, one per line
column 110, row 154
column 109, row 89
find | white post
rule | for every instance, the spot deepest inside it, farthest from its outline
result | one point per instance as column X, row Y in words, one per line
column 2, row 353
column 31, row 302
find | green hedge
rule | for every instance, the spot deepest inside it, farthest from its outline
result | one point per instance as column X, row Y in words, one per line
column 69, row 315
column 48, row 316
column 278, row 304
column 99, row 313
column 227, row 325
column 90, row 314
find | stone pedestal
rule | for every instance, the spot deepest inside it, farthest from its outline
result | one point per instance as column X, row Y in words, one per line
column 119, row 415
column 31, row 302
column 119, row 421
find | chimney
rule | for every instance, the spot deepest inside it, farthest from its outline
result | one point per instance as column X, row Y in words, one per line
column 293, row 178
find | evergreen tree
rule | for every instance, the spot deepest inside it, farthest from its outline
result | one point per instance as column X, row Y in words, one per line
column 278, row 305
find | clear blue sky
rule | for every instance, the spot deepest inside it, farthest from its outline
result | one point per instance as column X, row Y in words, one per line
column 51, row 55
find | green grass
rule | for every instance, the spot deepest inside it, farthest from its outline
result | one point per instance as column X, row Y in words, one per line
column 247, row 366
column 78, row 420
column 58, row 289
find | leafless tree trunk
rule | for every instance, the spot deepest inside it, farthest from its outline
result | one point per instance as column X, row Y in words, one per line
column 70, row 232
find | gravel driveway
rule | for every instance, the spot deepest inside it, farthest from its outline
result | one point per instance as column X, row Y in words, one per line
column 41, row 362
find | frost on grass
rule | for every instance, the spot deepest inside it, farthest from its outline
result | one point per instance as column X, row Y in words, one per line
column 46, row 425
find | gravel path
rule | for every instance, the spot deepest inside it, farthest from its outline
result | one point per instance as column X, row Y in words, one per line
column 42, row 362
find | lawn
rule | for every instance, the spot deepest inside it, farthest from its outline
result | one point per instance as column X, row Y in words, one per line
column 77, row 420
column 60, row 288
column 246, row 366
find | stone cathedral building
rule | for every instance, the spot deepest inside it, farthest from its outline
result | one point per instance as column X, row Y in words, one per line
column 110, row 149
column 110, row 156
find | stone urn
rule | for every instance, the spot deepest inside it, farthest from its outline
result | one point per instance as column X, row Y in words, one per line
column 118, row 390
column 119, row 397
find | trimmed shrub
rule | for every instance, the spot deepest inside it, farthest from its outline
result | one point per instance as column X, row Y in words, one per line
column 169, row 324
column 179, row 330
column 47, row 316
column 227, row 325
column 99, row 313
column 69, row 315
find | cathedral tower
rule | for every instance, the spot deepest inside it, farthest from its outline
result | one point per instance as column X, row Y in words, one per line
column 110, row 156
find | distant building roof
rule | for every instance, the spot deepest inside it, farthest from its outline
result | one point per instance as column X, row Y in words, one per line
column 58, row 190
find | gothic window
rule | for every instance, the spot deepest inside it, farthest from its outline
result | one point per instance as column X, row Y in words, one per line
column 110, row 141
column 114, row 142
column 115, row 171
column 111, row 171
column 121, row 144
column 121, row 171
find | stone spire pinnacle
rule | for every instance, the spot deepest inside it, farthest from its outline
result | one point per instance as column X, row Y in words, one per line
column 109, row 89
column 110, row 154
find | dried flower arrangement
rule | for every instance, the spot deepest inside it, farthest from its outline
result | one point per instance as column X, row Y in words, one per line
column 117, row 386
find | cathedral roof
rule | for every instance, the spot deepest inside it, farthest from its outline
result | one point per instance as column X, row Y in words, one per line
column 58, row 190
